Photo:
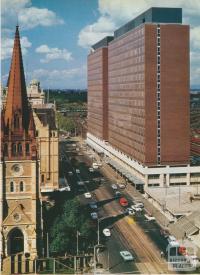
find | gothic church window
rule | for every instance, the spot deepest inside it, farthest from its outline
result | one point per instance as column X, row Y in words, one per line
column 27, row 148
column 14, row 149
column 21, row 186
column 5, row 151
column 11, row 186
column 19, row 148
column 16, row 121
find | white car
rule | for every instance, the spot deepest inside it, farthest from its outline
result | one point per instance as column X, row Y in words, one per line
column 67, row 188
column 114, row 186
column 149, row 217
column 130, row 211
column 136, row 209
column 121, row 186
column 94, row 215
column 77, row 171
column 70, row 173
column 139, row 204
column 91, row 170
column 80, row 183
column 87, row 195
column 107, row 232
column 126, row 255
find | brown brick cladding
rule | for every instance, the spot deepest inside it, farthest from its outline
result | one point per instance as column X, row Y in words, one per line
column 175, row 124
column 132, row 94
column 97, row 93
column 126, row 96
column 150, row 94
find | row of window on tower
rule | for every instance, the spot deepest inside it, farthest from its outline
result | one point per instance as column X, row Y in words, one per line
column 17, row 149
column 13, row 187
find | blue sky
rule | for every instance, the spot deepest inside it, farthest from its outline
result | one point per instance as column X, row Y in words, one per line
column 56, row 35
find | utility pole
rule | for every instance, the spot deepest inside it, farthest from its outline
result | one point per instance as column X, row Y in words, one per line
column 47, row 245
column 77, row 248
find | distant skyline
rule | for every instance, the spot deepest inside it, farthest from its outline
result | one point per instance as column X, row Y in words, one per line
column 56, row 35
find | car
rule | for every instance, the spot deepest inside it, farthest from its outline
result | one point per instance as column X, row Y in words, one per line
column 94, row 215
column 107, row 232
column 149, row 217
column 80, row 183
column 88, row 195
column 129, row 211
column 70, row 173
column 136, row 209
column 95, row 165
column 91, row 170
column 93, row 205
column 77, row 171
column 118, row 194
column 114, row 186
column 126, row 255
column 66, row 188
column 123, row 202
column 87, row 181
column 171, row 238
column 139, row 204
column 121, row 186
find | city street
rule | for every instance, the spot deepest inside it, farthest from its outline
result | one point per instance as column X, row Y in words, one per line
column 135, row 234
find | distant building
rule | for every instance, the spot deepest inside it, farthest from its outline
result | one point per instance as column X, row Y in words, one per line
column 138, row 99
column 47, row 140
column 35, row 94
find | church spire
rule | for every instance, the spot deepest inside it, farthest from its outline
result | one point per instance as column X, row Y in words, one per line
column 19, row 135
column 17, row 111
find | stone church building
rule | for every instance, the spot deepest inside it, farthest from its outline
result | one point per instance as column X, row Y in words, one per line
column 22, row 159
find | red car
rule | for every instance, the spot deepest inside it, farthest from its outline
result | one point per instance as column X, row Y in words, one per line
column 123, row 202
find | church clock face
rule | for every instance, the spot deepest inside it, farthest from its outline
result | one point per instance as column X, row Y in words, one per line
column 17, row 170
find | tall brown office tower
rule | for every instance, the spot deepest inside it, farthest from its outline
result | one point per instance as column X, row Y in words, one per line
column 146, row 103
column 19, row 186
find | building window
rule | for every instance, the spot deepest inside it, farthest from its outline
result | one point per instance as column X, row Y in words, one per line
column 42, row 178
column 21, row 186
column 19, row 149
column 14, row 149
column 16, row 121
column 5, row 149
column 27, row 148
column 11, row 186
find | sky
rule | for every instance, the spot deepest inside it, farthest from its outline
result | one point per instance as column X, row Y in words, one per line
column 56, row 35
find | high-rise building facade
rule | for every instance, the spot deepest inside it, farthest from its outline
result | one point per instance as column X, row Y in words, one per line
column 147, row 103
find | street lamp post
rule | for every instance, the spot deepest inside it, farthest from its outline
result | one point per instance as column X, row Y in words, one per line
column 77, row 246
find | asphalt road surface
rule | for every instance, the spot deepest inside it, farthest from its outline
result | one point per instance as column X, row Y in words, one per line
column 142, row 238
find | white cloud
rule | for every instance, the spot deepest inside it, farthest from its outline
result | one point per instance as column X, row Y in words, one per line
column 57, row 74
column 53, row 54
column 114, row 13
column 27, row 15
column 66, row 78
column 93, row 33
column 7, row 47
column 32, row 17
column 195, row 37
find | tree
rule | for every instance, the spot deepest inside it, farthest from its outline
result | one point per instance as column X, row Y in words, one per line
column 64, row 229
column 65, row 123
